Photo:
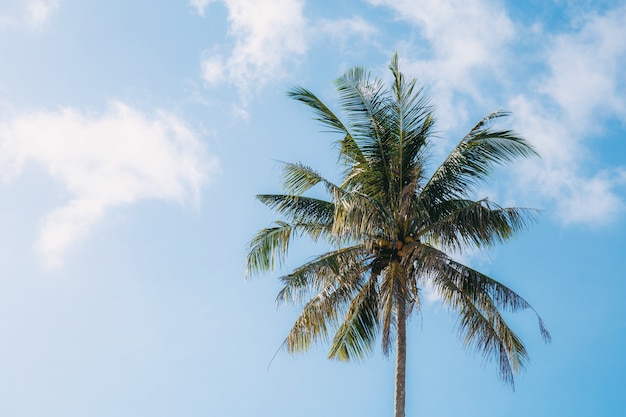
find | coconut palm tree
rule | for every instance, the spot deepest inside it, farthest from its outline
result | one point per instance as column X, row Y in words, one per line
column 390, row 226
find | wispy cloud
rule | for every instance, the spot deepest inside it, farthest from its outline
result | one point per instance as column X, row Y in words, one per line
column 584, row 88
column 103, row 161
column 268, row 37
column 267, row 34
column 344, row 29
column 465, row 41
column 27, row 13
column 587, row 69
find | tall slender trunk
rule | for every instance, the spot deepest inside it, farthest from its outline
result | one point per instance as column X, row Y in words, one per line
column 399, row 398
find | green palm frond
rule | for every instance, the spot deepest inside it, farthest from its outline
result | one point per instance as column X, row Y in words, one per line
column 473, row 159
column 331, row 268
column 299, row 178
column 461, row 224
column 365, row 103
column 362, row 99
column 320, row 313
column 391, row 289
column 322, row 113
column 480, row 289
column 302, row 210
column 349, row 150
column 268, row 248
column 357, row 216
column 487, row 332
column 355, row 337
column 411, row 116
column 437, row 265
column 481, row 325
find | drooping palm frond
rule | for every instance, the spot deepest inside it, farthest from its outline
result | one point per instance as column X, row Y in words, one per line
column 324, row 271
column 321, row 312
column 356, row 336
column 480, row 289
column 487, row 332
column 481, row 325
column 392, row 288
column 433, row 262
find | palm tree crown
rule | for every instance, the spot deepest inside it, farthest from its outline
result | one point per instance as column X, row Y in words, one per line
column 391, row 225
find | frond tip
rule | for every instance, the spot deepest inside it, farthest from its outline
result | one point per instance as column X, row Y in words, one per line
column 268, row 248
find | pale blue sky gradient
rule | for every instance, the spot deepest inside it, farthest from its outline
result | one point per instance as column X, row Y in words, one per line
column 134, row 136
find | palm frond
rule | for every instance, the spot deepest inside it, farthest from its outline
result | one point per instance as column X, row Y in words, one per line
column 411, row 115
column 487, row 332
column 481, row 324
column 365, row 103
column 301, row 210
column 349, row 150
column 299, row 178
column 331, row 268
column 320, row 313
column 268, row 248
column 355, row 337
column 322, row 113
column 475, row 285
column 392, row 289
column 460, row 224
column 473, row 159
column 359, row 217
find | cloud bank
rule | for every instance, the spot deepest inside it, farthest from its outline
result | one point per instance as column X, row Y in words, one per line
column 103, row 161
column 583, row 88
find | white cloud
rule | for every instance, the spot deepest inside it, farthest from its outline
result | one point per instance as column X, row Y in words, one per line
column 587, row 69
column 579, row 198
column 593, row 201
column 584, row 88
column 103, row 161
column 461, row 38
column 267, row 35
column 28, row 13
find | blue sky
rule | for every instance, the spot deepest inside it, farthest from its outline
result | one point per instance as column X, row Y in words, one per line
column 134, row 136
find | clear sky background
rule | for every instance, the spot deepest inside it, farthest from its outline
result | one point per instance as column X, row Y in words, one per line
column 135, row 134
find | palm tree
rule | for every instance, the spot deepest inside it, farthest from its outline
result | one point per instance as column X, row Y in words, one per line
column 390, row 227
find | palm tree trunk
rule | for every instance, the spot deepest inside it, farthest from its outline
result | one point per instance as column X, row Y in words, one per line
column 399, row 399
